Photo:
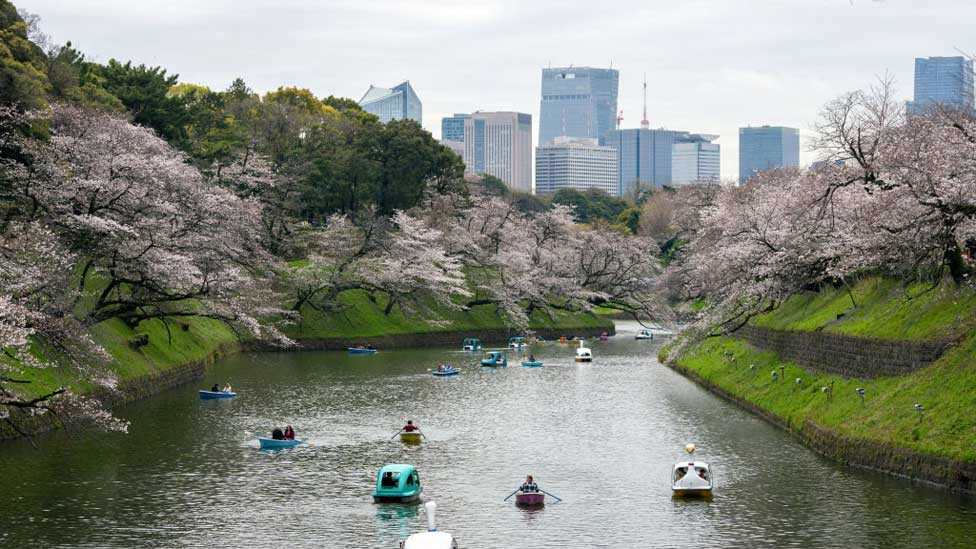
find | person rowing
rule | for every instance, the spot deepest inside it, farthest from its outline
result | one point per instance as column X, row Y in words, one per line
column 529, row 486
column 289, row 433
column 410, row 427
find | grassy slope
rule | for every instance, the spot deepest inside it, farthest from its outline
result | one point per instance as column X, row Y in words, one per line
column 363, row 318
column 947, row 388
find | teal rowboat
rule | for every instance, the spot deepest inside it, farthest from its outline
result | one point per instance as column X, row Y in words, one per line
column 277, row 443
column 531, row 363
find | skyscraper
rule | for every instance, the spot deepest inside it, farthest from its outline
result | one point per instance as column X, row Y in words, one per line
column 575, row 163
column 645, row 156
column 577, row 102
column 397, row 103
column 766, row 147
column 945, row 82
column 695, row 161
column 500, row 144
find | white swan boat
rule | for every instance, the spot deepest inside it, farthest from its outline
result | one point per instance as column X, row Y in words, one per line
column 644, row 334
column 431, row 539
column 583, row 354
column 691, row 478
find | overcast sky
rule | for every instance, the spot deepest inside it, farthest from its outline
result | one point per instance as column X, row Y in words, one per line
column 712, row 65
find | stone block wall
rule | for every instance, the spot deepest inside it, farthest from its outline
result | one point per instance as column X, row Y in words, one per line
column 847, row 356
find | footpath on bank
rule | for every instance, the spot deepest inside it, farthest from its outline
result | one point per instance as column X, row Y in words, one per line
column 888, row 384
column 151, row 358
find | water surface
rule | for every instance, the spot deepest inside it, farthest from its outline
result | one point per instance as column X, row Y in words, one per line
column 602, row 436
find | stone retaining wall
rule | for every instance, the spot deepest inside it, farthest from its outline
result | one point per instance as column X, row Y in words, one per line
column 909, row 464
column 847, row 356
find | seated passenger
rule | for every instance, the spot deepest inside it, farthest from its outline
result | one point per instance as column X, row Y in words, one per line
column 277, row 434
column 227, row 388
column 215, row 388
column 529, row 486
column 531, row 357
column 388, row 480
column 289, row 433
column 410, row 427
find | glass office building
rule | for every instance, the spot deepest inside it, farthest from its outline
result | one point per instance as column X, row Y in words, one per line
column 766, row 147
column 577, row 102
column 645, row 156
column 574, row 163
column 397, row 103
column 500, row 144
column 943, row 81
column 452, row 127
column 695, row 161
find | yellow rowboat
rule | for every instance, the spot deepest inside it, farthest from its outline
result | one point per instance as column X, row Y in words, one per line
column 410, row 438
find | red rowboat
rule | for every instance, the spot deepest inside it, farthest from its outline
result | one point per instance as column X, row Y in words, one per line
column 530, row 499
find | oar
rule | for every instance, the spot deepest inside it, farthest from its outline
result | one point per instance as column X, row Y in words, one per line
column 551, row 495
column 397, row 434
column 512, row 494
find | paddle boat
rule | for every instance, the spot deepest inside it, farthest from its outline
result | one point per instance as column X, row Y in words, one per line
column 431, row 539
column 644, row 334
column 271, row 443
column 691, row 478
column 362, row 350
column 471, row 344
column 397, row 483
column 517, row 342
column 583, row 354
column 209, row 395
column 495, row 358
column 445, row 371
column 532, row 363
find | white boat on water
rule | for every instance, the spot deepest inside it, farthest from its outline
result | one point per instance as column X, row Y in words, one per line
column 431, row 539
column 691, row 478
column 583, row 354
column 644, row 334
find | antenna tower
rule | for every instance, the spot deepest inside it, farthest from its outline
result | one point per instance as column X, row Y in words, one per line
column 644, row 123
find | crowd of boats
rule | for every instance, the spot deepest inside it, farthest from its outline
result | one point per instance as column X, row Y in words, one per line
column 400, row 483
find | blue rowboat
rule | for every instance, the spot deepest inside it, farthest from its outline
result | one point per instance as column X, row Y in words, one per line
column 447, row 372
column 272, row 443
column 495, row 358
column 362, row 351
column 208, row 395
column 531, row 363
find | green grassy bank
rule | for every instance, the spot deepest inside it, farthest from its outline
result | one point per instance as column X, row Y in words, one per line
column 885, row 310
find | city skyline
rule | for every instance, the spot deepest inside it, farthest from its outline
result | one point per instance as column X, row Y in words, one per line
column 774, row 68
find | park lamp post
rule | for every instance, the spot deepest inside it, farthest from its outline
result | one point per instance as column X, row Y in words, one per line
column 775, row 375
column 860, row 393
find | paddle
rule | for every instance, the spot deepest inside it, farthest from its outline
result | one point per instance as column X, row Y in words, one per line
column 557, row 498
column 512, row 494
column 396, row 434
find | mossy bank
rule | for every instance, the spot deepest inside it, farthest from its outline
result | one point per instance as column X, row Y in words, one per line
column 150, row 358
column 818, row 399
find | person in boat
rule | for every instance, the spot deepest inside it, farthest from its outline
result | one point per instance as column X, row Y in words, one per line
column 369, row 346
column 227, row 388
column 701, row 474
column 529, row 486
column 388, row 479
column 276, row 434
column 441, row 368
column 215, row 388
column 289, row 433
column 410, row 427
column 531, row 357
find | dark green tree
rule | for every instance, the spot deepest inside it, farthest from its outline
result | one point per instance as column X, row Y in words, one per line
column 145, row 93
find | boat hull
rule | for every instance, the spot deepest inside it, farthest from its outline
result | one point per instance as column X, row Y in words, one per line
column 531, row 364
column 211, row 395
column 700, row 493
column 272, row 443
column 492, row 363
column 410, row 438
column 446, row 373
column 396, row 499
column 584, row 359
column 354, row 351
column 531, row 499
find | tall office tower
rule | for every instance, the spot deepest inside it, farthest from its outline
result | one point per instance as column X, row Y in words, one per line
column 577, row 102
column 695, row 161
column 645, row 156
column 397, row 103
column 945, row 82
column 500, row 144
column 575, row 163
column 766, row 147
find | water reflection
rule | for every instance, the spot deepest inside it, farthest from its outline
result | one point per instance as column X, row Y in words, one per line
column 602, row 436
